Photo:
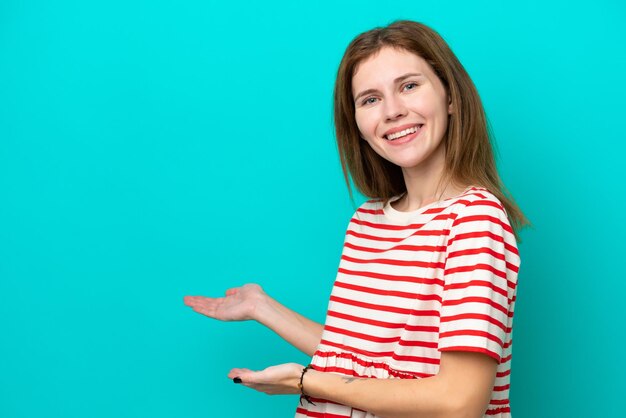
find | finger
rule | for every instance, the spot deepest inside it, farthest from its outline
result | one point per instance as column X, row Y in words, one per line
column 206, row 306
column 188, row 299
column 201, row 301
column 193, row 300
column 196, row 305
column 260, row 388
column 246, row 375
column 204, row 311
column 232, row 291
column 208, row 310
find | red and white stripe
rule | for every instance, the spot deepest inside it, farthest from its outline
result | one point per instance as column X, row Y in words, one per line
column 410, row 286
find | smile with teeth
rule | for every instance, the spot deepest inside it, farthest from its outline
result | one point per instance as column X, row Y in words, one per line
column 400, row 134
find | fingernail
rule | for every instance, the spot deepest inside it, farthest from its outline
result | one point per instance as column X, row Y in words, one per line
column 236, row 380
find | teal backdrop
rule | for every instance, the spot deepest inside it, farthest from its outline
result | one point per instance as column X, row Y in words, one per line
column 153, row 149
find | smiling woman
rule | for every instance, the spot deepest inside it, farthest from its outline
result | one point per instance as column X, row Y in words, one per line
column 420, row 316
column 402, row 112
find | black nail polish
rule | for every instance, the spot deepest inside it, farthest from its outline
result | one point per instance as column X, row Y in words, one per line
column 236, row 380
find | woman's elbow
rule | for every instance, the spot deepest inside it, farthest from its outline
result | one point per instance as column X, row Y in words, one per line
column 460, row 406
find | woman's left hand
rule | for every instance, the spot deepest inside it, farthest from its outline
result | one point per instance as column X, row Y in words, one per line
column 275, row 380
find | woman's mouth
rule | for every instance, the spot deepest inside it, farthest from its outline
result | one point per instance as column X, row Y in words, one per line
column 403, row 134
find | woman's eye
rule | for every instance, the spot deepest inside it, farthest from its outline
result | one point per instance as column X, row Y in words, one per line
column 410, row 86
column 369, row 100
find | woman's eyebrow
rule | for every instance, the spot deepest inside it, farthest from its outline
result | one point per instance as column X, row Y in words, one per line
column 407, row 75
column 364, row 92
column 396, row 81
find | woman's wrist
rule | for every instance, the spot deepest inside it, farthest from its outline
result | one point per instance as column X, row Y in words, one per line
column 261, row 308
column 304, row 394
column 294, row 377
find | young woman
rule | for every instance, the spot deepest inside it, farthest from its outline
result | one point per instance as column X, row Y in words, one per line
column 419, row 319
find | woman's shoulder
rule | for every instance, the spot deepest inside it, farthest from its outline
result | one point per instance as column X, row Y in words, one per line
column 474, row 200
column 372, row 207
column 477, row 196
column 478, row 208
column 373, row 203
column 477, row 201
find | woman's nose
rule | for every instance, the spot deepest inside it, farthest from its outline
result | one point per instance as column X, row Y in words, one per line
column 395, row 109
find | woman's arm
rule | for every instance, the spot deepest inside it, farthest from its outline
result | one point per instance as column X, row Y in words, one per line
column 461, row 389
column 250, row 302
column 294, row 328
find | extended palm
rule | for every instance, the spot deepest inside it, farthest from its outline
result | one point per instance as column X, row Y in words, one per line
column 237, row 305
column 275, row 380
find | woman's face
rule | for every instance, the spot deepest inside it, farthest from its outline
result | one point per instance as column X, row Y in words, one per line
column 402, row 109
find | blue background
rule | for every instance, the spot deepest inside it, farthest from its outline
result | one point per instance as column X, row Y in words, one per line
column 153, row 149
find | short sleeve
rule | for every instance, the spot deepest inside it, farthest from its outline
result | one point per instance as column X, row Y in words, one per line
column 480, row 279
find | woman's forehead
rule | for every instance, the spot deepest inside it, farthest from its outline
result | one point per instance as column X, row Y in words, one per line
column 388, row 63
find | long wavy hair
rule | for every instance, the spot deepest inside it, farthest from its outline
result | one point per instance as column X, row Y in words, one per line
column 469, row 157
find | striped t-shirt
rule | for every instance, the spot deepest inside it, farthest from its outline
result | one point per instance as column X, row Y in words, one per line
column 413, row 284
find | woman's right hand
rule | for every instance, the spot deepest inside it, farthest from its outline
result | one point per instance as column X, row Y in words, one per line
column 251, row 302
column 239, row 304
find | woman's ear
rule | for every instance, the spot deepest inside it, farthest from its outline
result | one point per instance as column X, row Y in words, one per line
column 449, row 105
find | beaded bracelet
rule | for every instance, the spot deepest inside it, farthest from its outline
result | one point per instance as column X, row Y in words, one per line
column 301, row 387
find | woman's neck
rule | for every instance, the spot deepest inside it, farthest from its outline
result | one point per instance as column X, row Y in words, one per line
column 425, row 185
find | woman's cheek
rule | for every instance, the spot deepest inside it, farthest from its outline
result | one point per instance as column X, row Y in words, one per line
column 367, row 123
column 362, row 125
